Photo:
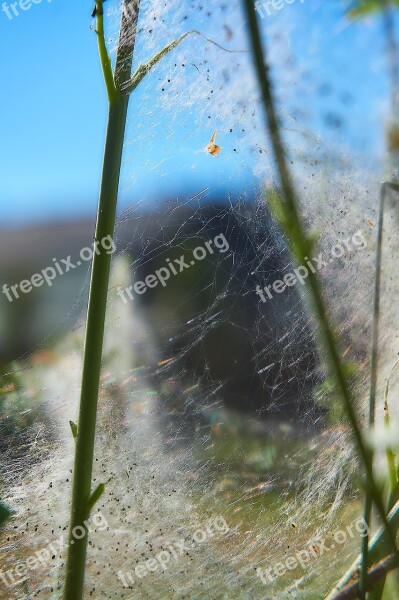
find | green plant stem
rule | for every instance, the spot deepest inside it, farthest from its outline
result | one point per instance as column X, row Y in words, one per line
column 378, row 591
column 375, row 576
column 93, row 350
column 391, row 459
column 390, row 454
column 84, row 449
column 378, row 549
column 300, row 247
column 368, row 502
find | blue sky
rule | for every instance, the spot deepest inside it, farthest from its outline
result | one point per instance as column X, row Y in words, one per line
column 53, row 107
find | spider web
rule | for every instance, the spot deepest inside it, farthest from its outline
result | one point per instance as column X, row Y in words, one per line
column 212, row 402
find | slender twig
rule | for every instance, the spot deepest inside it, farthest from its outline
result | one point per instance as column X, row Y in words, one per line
column 143, row 69
column 372, row 398
column 390, row 454
column 374, row 576
column 368, row 501
column 378, row 548
column 301, row 246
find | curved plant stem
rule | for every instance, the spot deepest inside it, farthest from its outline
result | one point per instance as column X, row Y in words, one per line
column 301, row 246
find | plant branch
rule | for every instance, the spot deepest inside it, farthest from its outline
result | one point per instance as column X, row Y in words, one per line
column 391, row 458
column 378, row 548
column 144, row 68
column 300, row 246
column 375, row 575
column 103, row 52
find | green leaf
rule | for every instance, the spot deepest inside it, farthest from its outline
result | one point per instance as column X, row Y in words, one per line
column 74, row 429
column 98, row 492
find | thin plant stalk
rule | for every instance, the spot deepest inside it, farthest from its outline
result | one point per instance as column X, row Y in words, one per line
column 375, row 576
column 301, row 247
column 378, row 549
column 366, row 559
column 84, row 450
column 390, row 454
column 368, row 501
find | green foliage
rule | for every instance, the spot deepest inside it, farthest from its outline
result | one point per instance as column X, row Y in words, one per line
column 74, row 429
